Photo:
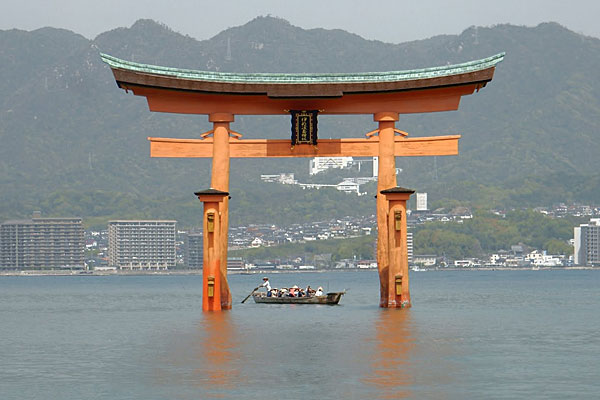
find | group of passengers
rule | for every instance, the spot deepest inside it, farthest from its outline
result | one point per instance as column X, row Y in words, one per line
column 294, row 291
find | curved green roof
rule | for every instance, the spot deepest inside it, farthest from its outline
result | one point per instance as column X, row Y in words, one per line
column 307, row 78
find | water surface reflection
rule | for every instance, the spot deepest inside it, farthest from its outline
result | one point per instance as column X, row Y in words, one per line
column 205, row 361
column 218, row 353
column 92, row 338
column 391, row 373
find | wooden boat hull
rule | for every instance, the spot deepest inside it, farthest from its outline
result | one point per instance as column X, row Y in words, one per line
column 330, row 298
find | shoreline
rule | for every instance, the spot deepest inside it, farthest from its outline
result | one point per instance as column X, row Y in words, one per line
column 262, row 272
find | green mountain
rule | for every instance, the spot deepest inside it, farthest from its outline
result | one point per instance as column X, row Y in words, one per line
column 75, row 144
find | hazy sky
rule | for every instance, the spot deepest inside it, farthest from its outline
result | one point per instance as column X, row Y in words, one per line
column 388, row 20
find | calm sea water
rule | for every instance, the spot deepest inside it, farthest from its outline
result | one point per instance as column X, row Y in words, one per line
column 469, row 335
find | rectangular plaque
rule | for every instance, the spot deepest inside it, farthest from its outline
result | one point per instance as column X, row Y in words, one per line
column 304, row 127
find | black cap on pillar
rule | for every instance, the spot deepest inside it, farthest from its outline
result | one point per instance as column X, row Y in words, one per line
column 397, row 189
column 211, row 195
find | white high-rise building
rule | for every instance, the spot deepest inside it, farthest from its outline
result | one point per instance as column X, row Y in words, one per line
column 142, row 244
column 587, row 243
column 375, row 166
column 421, row 201
column 409, row 246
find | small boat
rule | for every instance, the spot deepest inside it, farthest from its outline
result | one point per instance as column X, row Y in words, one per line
column 329, row 298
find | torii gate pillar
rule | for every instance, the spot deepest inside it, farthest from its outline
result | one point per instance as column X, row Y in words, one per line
column 220, row 181
column 212, row 261
column 390, row 241
column 396, row 276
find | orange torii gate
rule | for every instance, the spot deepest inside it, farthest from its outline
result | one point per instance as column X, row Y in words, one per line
column 385, row 95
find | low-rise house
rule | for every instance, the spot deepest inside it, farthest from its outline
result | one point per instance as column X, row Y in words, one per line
column 425, row 260
column 466, row 263
column 366, row 264
column 541, row 259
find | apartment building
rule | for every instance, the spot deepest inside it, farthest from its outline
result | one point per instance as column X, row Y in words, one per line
column 142, row 244
column 587, row 243
column 42, row 243
column 194, row 250
column 409, row 246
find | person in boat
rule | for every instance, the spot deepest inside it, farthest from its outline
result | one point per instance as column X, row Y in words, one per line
column 266, row 285
column 310, row 291
column 293, row 291
column 319, row 291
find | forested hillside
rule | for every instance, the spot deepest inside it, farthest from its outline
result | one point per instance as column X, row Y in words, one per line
column 75, row 144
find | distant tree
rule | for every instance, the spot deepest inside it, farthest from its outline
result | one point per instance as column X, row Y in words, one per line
column 554, row 246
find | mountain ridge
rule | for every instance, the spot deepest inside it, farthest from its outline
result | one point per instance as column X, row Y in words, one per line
column 66, row 128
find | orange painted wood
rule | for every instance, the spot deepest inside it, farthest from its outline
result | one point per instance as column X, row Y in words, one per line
column 398, row 256
column 211, row 260
column 255, row 148
column 385, row 180
column 405, row 102
column 220, row 181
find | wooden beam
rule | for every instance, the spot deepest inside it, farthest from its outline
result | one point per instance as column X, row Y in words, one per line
column 258, row 148
column 406, row 102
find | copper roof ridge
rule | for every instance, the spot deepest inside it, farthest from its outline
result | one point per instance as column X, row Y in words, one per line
column 304, row 78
